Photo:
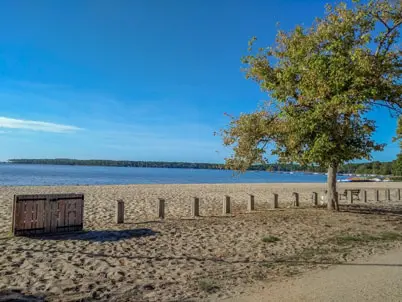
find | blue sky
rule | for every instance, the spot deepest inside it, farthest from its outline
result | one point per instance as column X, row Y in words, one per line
column 136, row 80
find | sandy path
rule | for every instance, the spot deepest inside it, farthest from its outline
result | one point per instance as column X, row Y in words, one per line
column 376, row 279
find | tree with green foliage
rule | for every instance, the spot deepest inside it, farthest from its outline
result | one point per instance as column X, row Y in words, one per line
column 397, row 164
column 386, row 169
column 322, row 80
column 362, row 169
column 376, row 167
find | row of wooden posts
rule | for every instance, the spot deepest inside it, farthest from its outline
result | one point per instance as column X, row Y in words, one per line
column 376, row 195
column 195, row 205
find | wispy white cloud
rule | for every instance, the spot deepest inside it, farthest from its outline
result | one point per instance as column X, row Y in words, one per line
column 11, row 123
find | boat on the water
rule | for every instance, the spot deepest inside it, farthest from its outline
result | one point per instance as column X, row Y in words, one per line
column 360, row 179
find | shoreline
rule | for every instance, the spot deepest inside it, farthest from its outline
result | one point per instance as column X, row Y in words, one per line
column 373, row 184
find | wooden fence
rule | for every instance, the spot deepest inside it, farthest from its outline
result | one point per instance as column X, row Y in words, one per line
column 50, row 213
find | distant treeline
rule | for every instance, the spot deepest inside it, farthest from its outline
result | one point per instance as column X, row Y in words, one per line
column 158, row 164
column 117, row 163
column 379, row 168
column 382, row 168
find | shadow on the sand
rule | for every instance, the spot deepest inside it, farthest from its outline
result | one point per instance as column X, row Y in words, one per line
column 15, row 295
column 304, row 262
column 215, row 259
column 395, row 210
column 101, row 235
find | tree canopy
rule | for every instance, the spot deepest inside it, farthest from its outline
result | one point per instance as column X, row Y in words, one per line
column 322, row 81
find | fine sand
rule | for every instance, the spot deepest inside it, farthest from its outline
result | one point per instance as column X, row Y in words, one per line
column 375, row 279
column 208, row 258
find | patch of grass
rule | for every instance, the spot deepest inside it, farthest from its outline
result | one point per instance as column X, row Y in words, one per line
column 345, row 239
column 362, row 238
column 208, row 285
column 270, row 239
column 391, row 236
column 326, row 254
column 267, row 264
column 310, row 253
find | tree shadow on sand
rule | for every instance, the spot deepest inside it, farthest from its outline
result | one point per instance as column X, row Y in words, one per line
column 370, row 209
column 101, row 235
column 266, row 263
column 16, row 295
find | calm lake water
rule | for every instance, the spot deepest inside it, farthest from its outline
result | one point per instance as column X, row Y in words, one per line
column 41, row 175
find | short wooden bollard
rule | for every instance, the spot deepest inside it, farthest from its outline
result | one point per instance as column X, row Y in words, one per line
column 275, row 201
column 226, row 205
column 161, row 208
column 324, row 197
column 364, row 196
column 251, row 204
column 295, row 199
column 120, row 211
column 195, row 207
column 314, row 197
column 388, row 195
column 350, row 196
column 398, row 194
column 376, row 195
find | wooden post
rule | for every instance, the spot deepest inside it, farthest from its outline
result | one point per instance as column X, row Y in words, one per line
column 398, row 194
column 324, row 198
column 276, row 201
column 161, row 208
column 350, row 196
column 314, row 197
column 387, row 194
column 195, row 207
column 296, row 199
column 364, row 196
column 376, row 195
column 250, row 205
column 226, row 205
column 120, row 211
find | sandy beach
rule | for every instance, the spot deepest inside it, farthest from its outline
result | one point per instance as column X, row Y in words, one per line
column 208, row 258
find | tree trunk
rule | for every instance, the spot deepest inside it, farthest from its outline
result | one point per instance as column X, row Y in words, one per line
column 332, row 199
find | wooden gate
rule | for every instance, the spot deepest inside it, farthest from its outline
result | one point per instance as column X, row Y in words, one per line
column 50, row 213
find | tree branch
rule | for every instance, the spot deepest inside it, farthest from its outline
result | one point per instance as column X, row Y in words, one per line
column 393, row 107
column 378, row 17
column 390, row 29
